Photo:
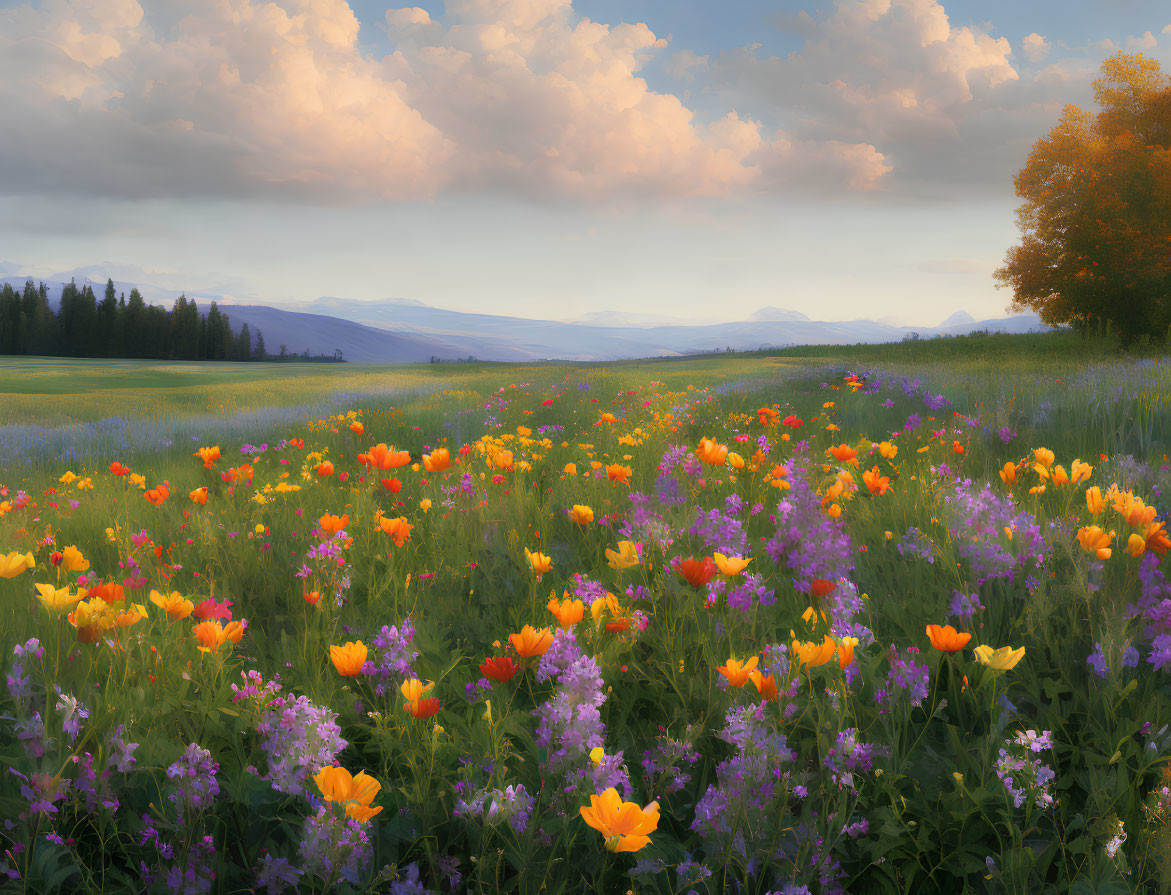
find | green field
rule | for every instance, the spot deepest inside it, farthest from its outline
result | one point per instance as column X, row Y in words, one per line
column 867, row 485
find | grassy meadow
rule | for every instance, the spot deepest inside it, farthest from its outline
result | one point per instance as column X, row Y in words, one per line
column 884, row 619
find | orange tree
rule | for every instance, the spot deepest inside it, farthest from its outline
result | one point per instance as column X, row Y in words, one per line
column 1096, row 220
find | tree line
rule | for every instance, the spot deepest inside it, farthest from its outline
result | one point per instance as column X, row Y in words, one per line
column 117, row 326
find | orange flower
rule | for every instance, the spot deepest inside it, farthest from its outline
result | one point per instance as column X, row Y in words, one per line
column 581, row 514
column 737, row 672
column 199, row 496
column 324, row 469
column 208, row 455
column 502, row 460
column 843, row 453
column 946, row 639
column 1094, row 500
column 1136, row 546
column 540, row 563
column 876, row 483
column 777, row 477
column 767, row 416
column 437, row 461
column 567, row 612
column 814, row 654
column 711, row 453
column 349, row 658
column 72, row 560
column 357, row 428
column 118, row 469
column 1060, row 476
column 382, row 457
column 1155, row 535
column 846, row 651
column 1079, row 471
column 331, row 525
column 615, row 472
column 413, row 689
column 696, row 572
column 1043, row 456
column 766, row 685
column 1134, row 510
column 607, row 418
column 957, row 447
column 212, row 635
column 1008, row 474
column 624, row 825
column 398, row 528
column 356, row 792
column 1096, row 541
column 312, row 597
column 730, row 565
column 158, row 495
column 531, row 642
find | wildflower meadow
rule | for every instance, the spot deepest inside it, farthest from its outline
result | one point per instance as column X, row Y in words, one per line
column 752, row 624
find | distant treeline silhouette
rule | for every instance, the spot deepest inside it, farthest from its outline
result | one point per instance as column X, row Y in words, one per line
column 123, row 327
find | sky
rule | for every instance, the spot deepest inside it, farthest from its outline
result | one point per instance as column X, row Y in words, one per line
column 543, row 158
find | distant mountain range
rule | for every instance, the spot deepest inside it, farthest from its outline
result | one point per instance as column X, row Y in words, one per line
column 407, row 331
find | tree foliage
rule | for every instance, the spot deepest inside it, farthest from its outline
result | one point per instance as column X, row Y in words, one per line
column 1095, row 224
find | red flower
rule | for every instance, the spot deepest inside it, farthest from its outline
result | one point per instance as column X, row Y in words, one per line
column 209, row 608
column 392, row 485
column 499, row 668
column 792, row 421
column 819, row 587
column 424, row 708
column 696, row 572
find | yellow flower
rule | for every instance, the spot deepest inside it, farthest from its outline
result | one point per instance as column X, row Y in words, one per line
column 597, row 754
column 56, row 599
column 1079, row 471
column 413, row 689
column 1001, row 660
column 625, row 557
column 730, row 565
column 68, row 479
column 425, row 504
column 887, row 450
column 624, row 825
column 1043, row 456
column 174, row 604
column 15, row 563
column 1008, row 474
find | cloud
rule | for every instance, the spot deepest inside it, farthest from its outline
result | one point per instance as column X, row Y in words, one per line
column 681, row 64
column 1036, row 47
column 943, row 105
column 252, row 98
column 1147, row 42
